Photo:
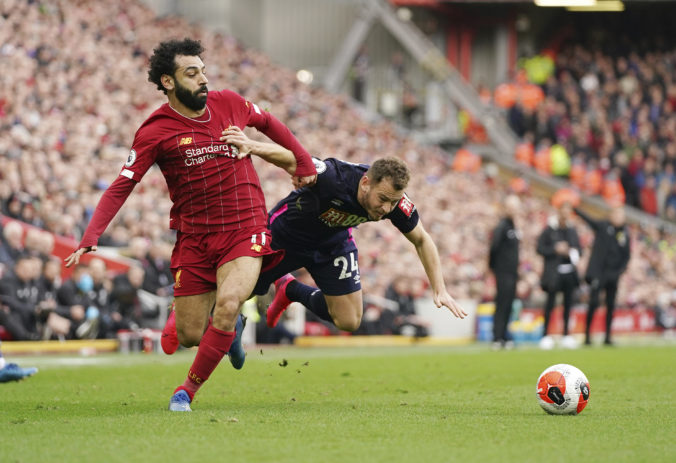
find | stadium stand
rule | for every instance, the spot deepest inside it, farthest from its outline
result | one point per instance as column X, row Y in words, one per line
column 77, row 92
column 606, row 120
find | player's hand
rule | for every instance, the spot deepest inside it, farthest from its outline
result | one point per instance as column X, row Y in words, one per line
column 445, row 300
column 299, row 182
column 74, row 258
column 233, row 135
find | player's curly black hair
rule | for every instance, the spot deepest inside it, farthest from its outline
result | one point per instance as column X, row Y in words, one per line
column 390, row 167
column 163, row 62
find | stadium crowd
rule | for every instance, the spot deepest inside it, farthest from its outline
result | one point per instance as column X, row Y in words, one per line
column 606, row 121
column 76, row 92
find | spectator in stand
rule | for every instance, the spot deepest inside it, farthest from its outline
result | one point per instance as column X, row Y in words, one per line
column 648, row 196
column 50, row 279
column 617, row 110
column 76, row 294
column 99, row 296
column 670, row 204
column 11, row 245
column 405, row 320
column 57, row 317
column 127, row 311
column 559, row 245
column 39, row 243
column 19, row 297
column 628, row 181
column 158, row 278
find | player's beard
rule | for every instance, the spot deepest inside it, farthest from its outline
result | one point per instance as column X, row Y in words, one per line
column 191, row 100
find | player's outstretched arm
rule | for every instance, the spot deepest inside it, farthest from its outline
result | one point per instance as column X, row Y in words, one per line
column 74, row 258
column 270, row 152
column 108, row 205
column 429, row 256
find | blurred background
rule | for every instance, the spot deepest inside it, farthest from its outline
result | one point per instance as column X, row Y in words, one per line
column 541, row 99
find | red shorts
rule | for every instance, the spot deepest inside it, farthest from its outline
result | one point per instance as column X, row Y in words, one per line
column 197, row 256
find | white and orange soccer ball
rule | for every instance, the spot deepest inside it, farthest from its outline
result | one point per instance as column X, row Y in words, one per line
column 562, row 390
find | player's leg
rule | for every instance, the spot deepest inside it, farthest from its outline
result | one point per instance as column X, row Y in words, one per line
column 192, row 317
column 191, row 314
column 169, row 339
column 194, row 293
column 194, row 296
column 338, row 299
column 346, row 310
column 281, row 277
column 235, row 281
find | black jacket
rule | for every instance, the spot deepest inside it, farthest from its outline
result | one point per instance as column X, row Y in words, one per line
column 158, row 275
column 504, row 251
column 610, row 251
column 20, row 296
column 552, row 234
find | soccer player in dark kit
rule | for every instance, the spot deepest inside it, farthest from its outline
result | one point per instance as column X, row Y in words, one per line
column 218, row 207
column 312, row 225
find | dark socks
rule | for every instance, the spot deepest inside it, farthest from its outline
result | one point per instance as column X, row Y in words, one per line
column 310, row 297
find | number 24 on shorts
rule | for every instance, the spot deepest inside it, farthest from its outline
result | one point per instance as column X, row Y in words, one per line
column 341, row 261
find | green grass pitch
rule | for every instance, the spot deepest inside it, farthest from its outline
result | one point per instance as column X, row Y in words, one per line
column 406, row 404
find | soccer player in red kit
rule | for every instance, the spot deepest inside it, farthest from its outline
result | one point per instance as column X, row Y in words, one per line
column 218, row 210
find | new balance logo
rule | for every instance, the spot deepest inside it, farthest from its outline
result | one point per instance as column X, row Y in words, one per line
column 185, row 141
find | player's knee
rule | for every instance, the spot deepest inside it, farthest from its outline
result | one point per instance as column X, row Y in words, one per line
column 348, row 322
column 225, row 313
column 189, row 336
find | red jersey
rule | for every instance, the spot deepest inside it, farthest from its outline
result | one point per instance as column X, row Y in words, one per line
column 211, row 189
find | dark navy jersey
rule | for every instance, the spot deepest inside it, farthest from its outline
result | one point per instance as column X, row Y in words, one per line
column 320, row 216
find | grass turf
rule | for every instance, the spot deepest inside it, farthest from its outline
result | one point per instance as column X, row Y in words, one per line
column 337, row 405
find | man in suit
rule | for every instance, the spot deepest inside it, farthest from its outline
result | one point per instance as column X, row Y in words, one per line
column 559, row 244
column 609, row 259
column 504, row 263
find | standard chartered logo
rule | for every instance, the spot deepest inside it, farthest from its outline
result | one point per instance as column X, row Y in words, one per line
column 197, row 156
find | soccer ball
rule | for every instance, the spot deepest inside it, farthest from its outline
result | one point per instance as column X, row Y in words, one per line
column 562, row 390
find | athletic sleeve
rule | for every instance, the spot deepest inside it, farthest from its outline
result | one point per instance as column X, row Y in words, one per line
column 326, row 172
column 142, row 155
column 111, row 202
column 279, row 133
column 405, row 215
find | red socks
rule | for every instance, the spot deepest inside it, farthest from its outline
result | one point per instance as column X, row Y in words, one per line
column 213, row 347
